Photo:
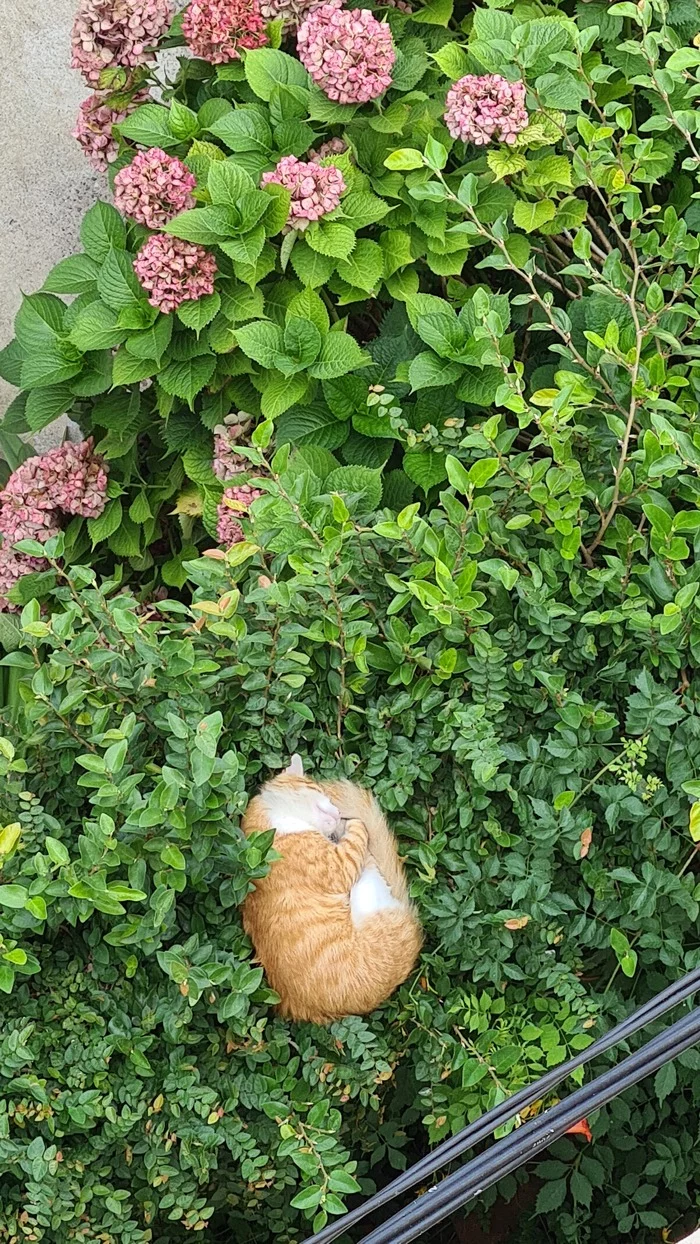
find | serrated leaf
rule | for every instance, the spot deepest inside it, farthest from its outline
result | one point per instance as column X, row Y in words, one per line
column 149, row 126
column 101, row 528
column 266, row 68
column 204, row 225
column 187, row 378
column 425, row 467
column 361, row 481
column 529, row 216
column 75, row 275
column 261, row 341
column 96, row 328
column 117, row 282
column 365, row 266
column 329, row 238
column 427, row 371
column 45, row 405
column 312, row 268
column 340, row 353
column 196, row 314
column 102, row 230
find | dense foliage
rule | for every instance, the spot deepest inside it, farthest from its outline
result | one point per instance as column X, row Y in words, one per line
column 469, row 394
column 516, row 723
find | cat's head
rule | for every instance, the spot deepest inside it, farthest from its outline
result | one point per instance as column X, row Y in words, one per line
column 295, row 804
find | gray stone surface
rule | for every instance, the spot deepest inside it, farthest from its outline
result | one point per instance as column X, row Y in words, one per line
column 46, row 183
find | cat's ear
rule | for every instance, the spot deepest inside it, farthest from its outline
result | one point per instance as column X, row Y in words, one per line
column 296, row 767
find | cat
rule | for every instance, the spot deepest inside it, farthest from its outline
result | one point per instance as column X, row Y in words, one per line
column 331, row 922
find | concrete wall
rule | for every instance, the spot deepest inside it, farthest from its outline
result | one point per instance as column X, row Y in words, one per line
column 46, row 183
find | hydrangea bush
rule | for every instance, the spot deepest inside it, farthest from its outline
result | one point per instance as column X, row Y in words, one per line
column 501, row 216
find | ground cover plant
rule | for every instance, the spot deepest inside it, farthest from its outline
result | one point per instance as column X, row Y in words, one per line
column 391, row 377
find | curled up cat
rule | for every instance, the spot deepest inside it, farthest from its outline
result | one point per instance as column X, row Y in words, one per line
column 331, row 922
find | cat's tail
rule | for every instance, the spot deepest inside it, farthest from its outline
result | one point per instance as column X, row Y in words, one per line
column 355, row 802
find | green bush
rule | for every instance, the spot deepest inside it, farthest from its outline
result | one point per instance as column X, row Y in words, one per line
column 529, row 728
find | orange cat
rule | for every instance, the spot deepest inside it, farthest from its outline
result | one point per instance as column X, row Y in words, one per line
column 331, row 922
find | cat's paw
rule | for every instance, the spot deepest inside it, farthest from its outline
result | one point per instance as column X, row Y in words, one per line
column 326, row 816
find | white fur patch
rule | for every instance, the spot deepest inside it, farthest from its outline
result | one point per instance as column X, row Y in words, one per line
column 297, row 812
column 369, row 895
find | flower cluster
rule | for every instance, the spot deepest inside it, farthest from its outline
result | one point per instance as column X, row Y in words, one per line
column 228, row 528
column 216, row 29
column 315, row 188
column 334, row 146
column 174, row 271
column 227, row 462
column 347, row 52
column 93, row 127
column 292, row 12
column 111, row 33
column 69, row 480
column 154, row 188
column 482, row 108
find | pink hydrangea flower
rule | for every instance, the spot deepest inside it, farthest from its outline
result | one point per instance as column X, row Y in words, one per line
column 70, row 480
column 227, row 462
column 215, row 30
column 12, row 567
column 228, row 528
column 347, row 52
column 111, row 33
column 482, row 108
column 334, row 146
column 315, row 189
column 154, row 188
column 174, row 271
column 93, row 128
column 292, row 11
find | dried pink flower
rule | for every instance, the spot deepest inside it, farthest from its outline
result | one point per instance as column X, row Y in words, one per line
column 216, row 29
column 315, row 188
column 347, row 52
column 93, row 129
column 71, row 480
column 482, row 108
column 154, row 188
column 228, row 528
column 109, row 33
column 12, row 567
column 292, row 11
column 334, row 146
column 174, row 271
column 227, row 462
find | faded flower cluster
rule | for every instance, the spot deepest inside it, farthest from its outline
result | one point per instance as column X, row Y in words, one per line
column 154, row 188
column 292, row 12
column 174, row 271
column 480, row 109
column 333, row 146
column 69, row 480
column 228, row 528
column 117, row 33
column 215, row 30
column 315, row 189
column 348, row 53
column 227, row 462
column 93, row 127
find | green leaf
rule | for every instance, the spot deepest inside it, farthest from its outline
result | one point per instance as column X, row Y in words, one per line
column 75, row 275
column 149, row 126
column 261, row 341
column 153, row 342
column 281, row 392
column 100, row 529
column 404, row 159
column 308, row 1198
column 187, row 378
column 312, row 268
column 551, row 1196
column 340, row 353
column 45, row 405
column 183, row 122
column 244, row 130
column 452, row 59
column 266, row 68
column 204, row 225
column 117, row 282
column 13, row 896
column 331, row 239
column 361, row 486
column 96, row 328
column 126, row 369
column 227, row 182
column 302, row 340
column 427, row 371
column 665, row 1081
column 196, row 314
column 434, row 12
column 102, row 230
column 482, row 471
column 365, row 266
column 529, row 216
column 425, row 467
